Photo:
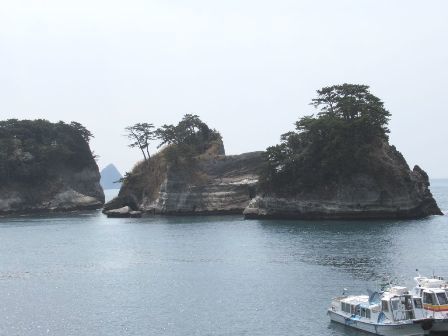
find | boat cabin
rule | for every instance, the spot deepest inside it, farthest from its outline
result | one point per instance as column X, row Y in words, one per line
column 398, row 305
column 434, row 299
column 357, row 306
column 433, row 292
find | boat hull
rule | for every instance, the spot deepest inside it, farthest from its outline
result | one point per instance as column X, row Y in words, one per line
column 409, row 329
column 440, row 325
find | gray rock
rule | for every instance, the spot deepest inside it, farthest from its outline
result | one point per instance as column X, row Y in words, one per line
column 219, row 185
column 68, row 191
column 124, row 212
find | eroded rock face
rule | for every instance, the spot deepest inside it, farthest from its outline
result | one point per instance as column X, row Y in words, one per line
column 221, row 184
column 218, row 185
column 394, row 191
column 68, row 191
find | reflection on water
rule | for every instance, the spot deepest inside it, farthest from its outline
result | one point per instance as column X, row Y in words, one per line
column 360, row 248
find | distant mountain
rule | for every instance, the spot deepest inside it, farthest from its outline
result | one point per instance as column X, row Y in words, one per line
column 109, row 177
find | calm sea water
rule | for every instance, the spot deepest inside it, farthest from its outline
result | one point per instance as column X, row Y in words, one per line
column 84, row 274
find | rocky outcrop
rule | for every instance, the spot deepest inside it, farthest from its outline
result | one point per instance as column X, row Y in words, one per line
column 47, row 167
column 217, row 184
column 124, row 212
column 392, row 191
column 66, row 192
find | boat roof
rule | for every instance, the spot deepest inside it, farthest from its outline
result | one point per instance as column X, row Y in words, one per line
column 434, row 290
column 395, row 291
column 364, row 300
column 356, row 299
column 424, row 282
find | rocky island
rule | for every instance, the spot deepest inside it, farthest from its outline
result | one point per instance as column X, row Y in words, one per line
column 397, row 192
column 47, row 167
column 190, row 175
column 337, row 164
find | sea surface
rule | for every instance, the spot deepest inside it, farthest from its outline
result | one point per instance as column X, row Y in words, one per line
column 84, row 274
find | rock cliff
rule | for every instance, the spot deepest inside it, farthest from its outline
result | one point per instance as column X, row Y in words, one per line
column 220, row 184
column 47, row 167
column 215, row 184
column 391, row 190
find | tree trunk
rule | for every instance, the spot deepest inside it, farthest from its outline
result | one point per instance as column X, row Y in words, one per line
column 144, row 155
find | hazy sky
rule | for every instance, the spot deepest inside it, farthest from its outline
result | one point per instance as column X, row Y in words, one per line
column 247, row 68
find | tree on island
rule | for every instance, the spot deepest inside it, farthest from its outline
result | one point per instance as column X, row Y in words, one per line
column 182, row 145
column 82, row 130
column 333, row 143
column 191, row 130
column 140, row 135
column 190, row 137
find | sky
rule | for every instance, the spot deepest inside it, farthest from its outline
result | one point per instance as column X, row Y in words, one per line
column 248, row 68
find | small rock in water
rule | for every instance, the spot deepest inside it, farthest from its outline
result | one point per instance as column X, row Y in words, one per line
column 124, row 212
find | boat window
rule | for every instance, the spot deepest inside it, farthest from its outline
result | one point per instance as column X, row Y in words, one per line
column 434, row 298
column 384, row 306
column 346, row 308
column 353, row 309
column 368, row 313
column 442, row 298
column 408, row 302
column 394, row 303
column 427, row 298
column 418, row 303
column 363, row 312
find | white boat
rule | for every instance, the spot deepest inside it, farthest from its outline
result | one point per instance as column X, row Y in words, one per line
column 433, row 292
column 391, row 313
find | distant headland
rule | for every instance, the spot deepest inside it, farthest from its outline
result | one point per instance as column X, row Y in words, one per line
column 110, row 177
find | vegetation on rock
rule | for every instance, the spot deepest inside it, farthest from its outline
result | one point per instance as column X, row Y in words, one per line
column 331, row 144
column 189, row 138
column 33, row 150
column 183, row 142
